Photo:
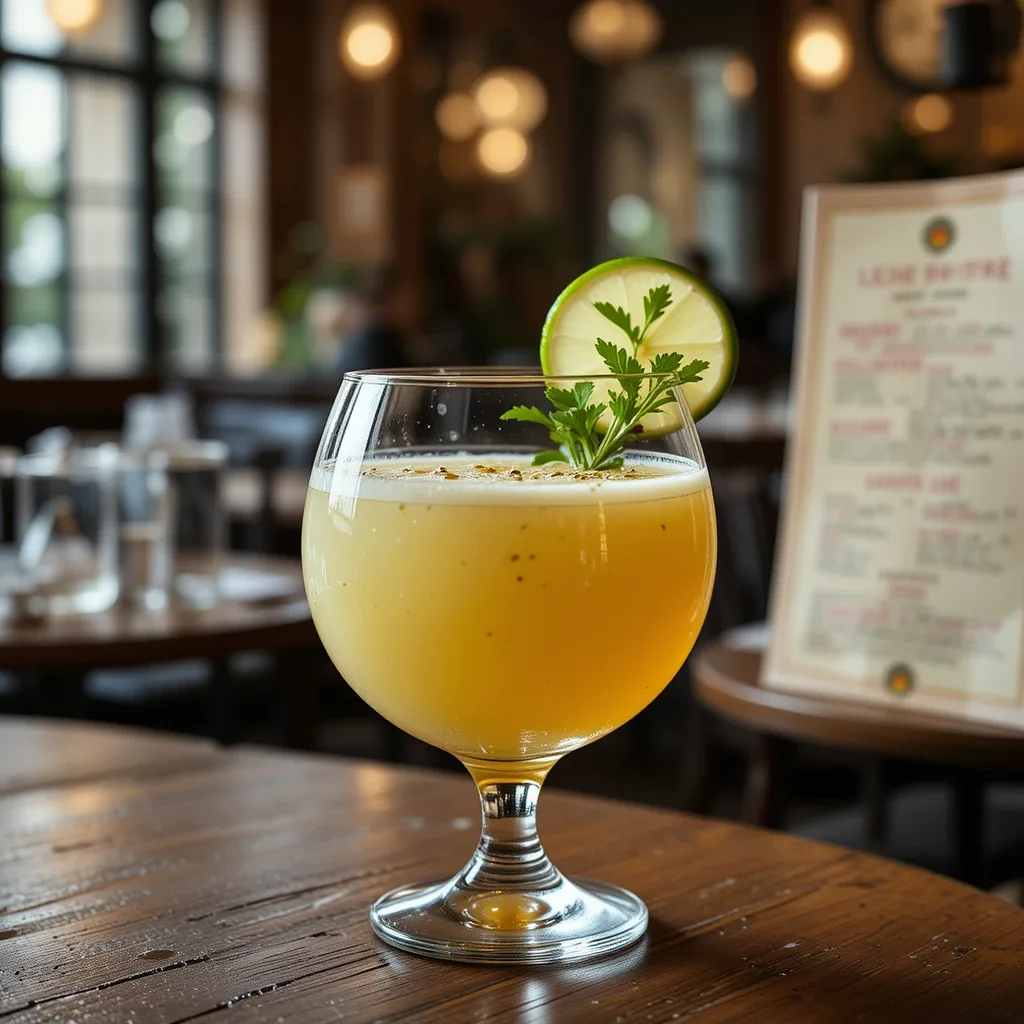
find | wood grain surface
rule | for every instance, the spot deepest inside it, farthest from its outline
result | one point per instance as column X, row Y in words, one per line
column 158, row 881
column 726, row 680
column 125, row 635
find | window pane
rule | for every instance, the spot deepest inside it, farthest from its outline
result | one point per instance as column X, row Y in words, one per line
column 33, row 127
column 105, row 331
column 243, row 226
column 33, row 263
column 33, row 243
column 33, row 345
column 183, row 238
column 717, row 115
column 103, row 238
column 183, row 148
column 27, row 27
column 186, row 311
column 243, row 47
column 113, row 36
column 103, row 149
column 94, row 28
column 183, row 38
column 725, row 215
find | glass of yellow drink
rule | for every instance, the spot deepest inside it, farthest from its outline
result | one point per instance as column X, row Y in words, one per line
column 507, row 613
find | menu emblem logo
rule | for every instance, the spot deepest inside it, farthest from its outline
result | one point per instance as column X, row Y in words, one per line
column 899, row 680
column 939, row 235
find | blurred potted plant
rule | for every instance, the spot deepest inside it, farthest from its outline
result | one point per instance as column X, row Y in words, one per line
column 898, row 156
column 313, row 310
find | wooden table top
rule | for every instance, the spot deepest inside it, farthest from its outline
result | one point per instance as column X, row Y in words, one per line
column 265, row 607
column 160, row 880
column 726, row 680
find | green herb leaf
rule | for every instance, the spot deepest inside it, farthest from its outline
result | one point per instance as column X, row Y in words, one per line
column 618, row 316
column 656, row 301
column 692, row 371
column 526, row 414
column 551, row 455
column 560, row 398
column 582, row 392
column 618, row 360
column 666, row 362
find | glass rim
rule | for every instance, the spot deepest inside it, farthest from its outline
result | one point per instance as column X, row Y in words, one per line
column 484, row 376
column 194, row 453
column 101, row 458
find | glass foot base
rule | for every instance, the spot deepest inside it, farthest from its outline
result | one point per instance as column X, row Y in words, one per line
column 572, row 921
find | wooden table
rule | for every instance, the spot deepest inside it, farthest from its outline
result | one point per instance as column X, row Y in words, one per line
column 266, row 609
column 159, row 880
column 272, row 614
column 726, row 681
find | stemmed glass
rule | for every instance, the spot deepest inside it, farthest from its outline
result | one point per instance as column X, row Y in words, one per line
column 506, row 614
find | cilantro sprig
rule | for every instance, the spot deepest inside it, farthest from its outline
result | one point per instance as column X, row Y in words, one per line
column 578, row 427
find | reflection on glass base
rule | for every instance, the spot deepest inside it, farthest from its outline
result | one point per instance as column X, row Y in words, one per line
column 568, row 922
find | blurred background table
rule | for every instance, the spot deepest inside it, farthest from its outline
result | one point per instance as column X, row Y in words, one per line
column 263, row 607
column 158, row 879
column 727, row 683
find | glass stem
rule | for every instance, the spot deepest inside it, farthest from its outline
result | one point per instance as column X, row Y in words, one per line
column 509, row 856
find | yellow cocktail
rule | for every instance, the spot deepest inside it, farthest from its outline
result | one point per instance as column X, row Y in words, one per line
column 477, row 604
column 510, row 564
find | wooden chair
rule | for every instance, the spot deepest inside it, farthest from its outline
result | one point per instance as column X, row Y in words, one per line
column 746, row 479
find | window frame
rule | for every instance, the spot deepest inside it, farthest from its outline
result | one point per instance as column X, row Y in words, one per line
column 148, row 78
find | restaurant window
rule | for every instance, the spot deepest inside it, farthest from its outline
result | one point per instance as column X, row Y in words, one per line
column 681, row 164
column 726, row 164
column 113, row 183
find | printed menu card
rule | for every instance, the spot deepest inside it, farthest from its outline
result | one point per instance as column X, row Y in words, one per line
column 900, row 573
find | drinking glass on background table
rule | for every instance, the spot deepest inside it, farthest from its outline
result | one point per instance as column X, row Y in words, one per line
column 65, row 524
column 162, row 419
column 506, row 613
column 146, row 530
column 172, row 523
column 8, row 553
column 8, row 460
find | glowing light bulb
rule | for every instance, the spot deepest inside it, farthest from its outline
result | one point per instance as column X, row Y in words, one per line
column 74, row 17
column 613, row 31
column 369, row 44
column 820, row 51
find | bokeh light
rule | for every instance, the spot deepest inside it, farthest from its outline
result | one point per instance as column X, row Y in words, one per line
column 73, row 17
column 511, row 97
column 820, row 51
column 193, row 125
column 457, row 116
column 613, row 31
column 739, row 78
column 170, row 20
column 503, row 152
column 928, row 114
column 369, row 43
column 630, row 216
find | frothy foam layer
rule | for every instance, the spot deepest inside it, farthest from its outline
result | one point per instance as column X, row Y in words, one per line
column 463, row 479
